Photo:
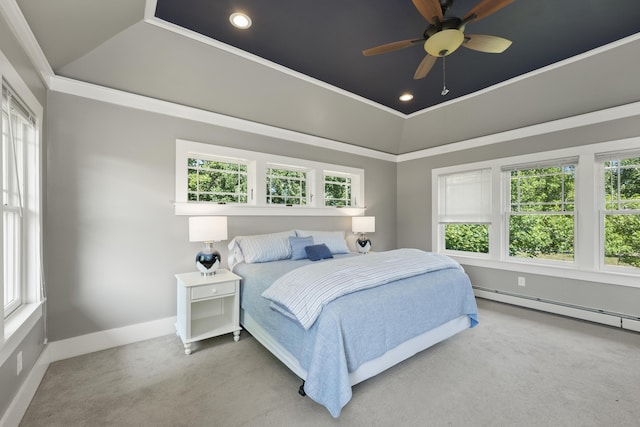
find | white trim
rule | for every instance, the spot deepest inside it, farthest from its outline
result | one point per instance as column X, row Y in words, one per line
column 18, row 406
column 150, row 9
column 77, row 346
column 552, row 270
column 17, row 327
column 20, row 28
column 125, row 99
column 130, row 100
column 231, row 210
column 555, row 308
column 601, row 116
column 632, row 325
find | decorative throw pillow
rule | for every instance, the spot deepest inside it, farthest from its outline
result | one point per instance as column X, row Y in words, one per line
column 318, row 252
column 333, row 239
column 297, row 246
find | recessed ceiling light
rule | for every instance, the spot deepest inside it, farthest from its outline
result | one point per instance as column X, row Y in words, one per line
column 405, row 97
column 240, row 20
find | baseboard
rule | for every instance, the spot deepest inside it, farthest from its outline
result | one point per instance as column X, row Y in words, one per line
column 102, row 340
column 610, row 319
column 632, row 325
column 22, row 399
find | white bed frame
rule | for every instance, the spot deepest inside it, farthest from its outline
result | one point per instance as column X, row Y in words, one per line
column 372, row 367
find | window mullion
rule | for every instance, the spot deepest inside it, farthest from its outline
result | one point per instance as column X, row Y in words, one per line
column 586, row 216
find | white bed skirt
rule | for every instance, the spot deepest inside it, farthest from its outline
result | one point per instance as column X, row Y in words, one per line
column 372, row 367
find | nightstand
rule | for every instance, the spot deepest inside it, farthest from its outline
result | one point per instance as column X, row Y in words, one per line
column 208, row 306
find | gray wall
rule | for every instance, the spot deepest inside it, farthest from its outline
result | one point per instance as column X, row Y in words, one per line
column 113, row 242
column 32, row 345
column 414, row 216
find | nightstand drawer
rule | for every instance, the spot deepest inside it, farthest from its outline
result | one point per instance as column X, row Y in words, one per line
column 208, row 291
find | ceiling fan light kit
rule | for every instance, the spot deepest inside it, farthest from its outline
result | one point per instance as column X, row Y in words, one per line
column 444, row 42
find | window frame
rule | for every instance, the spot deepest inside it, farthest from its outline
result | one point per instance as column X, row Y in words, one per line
column 588, row 262
column 227, row 160
column 15, row 327
column 508, row 212
column 305, row 199
column 257, row 165
column 480, row 217
column 354, row 182
column 600, row 160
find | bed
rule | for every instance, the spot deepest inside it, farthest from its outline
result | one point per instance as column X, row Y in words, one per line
column 357, row 333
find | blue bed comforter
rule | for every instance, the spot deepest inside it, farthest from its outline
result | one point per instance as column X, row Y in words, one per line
column 302, row 293
column 357, row 327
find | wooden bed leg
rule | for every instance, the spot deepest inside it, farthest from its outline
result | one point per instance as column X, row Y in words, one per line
column 301, row 390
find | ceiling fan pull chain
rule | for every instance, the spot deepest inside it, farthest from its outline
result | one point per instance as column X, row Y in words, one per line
column 444, row 78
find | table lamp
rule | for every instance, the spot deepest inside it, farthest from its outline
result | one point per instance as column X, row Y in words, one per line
column 363, row 225
column 207, row 229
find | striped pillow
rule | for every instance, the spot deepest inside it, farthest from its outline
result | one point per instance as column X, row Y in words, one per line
column 265, row 247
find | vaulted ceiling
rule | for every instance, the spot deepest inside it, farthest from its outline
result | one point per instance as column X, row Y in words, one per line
column 300, row 66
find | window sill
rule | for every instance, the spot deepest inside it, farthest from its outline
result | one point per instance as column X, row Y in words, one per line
column 16, row 328
column 235, row 210
column 566, row 272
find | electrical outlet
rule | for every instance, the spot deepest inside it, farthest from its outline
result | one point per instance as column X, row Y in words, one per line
column 521, row 281
column 19, row 363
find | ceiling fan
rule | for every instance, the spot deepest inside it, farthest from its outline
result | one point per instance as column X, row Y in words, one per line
column 445, row 34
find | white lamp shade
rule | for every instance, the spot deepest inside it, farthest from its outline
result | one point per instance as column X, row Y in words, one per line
column 207, row 228
column 363, row 224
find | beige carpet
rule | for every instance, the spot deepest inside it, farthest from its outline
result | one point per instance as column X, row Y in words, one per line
column 519, row 367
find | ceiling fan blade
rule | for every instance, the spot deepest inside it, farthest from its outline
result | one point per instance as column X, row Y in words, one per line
column 485, row 8
column 430, row 9
column 424, row 67
column 390, row 47
column 485, row 43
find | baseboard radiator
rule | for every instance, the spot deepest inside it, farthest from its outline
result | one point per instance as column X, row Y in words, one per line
column 584, row 313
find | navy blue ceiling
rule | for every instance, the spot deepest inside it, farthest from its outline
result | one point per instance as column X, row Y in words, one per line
column 324, row 40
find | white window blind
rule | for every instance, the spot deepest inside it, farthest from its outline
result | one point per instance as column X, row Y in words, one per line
column 465, row 197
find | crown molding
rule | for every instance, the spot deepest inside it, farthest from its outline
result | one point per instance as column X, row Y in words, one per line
column 20, row 28
column 614, row 113
column 126, row 99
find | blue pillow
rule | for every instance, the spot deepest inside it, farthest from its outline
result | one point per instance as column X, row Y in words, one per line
column 317, row 252
column 297, row 246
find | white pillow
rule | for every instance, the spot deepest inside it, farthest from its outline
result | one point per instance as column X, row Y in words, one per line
column 333, row 239
column 260, row 247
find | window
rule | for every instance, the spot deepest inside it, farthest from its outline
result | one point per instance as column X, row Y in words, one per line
column 575, row 209
column 286, row 187
column 464, row 210
column 541, row 211
column 337, row 190
column 218, row 180
column 20, row 199
column 621, row 183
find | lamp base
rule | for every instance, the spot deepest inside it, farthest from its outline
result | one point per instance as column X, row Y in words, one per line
column 363, row 245
column 208, row 261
